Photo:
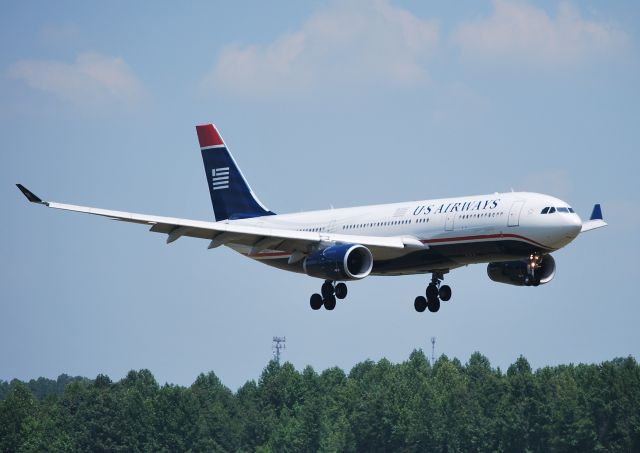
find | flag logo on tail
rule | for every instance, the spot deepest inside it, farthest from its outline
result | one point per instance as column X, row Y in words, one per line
column 220, row 178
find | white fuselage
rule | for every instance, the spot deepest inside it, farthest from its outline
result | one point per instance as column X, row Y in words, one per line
column 454, row 231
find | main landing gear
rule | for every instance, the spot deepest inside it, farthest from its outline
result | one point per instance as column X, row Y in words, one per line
column 330, row 292
column 435, row 293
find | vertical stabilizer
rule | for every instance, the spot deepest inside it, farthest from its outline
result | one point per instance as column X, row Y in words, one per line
column 231, row 196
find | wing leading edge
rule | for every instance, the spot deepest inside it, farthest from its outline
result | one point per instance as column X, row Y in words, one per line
column 221, row 233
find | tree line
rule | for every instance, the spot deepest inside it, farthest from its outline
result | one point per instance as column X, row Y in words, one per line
column 377, row 407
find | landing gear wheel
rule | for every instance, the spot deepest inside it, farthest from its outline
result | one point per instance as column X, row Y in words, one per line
column 432, row 292
column 341, row 290
column 445, row 293
column 528, row 281
column 327, row 289
column 315, row 301
column 420, row 304
column 330, row 302
column 434, row 305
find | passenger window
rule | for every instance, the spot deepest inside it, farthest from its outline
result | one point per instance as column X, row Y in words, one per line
column 545, row 210
column 552, row 210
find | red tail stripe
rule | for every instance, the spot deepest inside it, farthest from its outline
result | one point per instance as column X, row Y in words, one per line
column 208, row 135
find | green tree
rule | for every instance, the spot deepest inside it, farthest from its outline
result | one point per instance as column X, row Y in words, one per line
column 20, row 428
column 217, row 420
column 377, row 407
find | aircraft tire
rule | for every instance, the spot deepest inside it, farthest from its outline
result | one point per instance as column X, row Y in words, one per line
column 445, row 293
column 341, row 290
column 434, row 305
column 432, row 292
column 420, row 304
column 315, row 301
column 330, row 302
column 327, row 289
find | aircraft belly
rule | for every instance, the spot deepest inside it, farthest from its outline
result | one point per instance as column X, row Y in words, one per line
column 450, row 256
column 436, row 257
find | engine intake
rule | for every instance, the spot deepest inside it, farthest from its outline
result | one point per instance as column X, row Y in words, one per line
column 515, row 272
column 339, row 262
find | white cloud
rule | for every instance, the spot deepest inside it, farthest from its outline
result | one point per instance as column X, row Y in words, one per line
column 346, row 45
column 521, row 33
column 92, row 80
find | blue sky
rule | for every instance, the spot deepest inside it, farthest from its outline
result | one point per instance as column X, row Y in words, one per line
column 322, row 103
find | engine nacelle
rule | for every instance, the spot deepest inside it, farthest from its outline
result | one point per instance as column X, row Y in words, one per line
column 339, row 262
column 515, row 272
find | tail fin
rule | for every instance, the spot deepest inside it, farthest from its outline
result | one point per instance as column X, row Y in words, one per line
column 231, row 196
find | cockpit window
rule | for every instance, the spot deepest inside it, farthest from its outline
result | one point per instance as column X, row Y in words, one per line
column 552, row 210
column 545, row 210
column 563, row 209
column 571, row 210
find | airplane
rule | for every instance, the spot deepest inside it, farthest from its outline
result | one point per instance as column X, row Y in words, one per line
column 514, row 232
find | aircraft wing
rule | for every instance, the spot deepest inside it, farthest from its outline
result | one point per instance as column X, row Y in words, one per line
column 220, row 233
column 595, row 221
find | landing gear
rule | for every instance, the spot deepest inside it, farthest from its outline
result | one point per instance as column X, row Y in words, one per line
column 330, row 302
column 330, row 291
column 432, row 291
column 316, row 301
column 433, row 305
column 341, row 290
column 444, row 293
column 534, row 262
column 327, row 289
column 435, row 293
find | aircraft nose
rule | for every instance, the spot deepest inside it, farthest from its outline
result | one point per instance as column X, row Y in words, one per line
column 571, row 226
column 566, row 228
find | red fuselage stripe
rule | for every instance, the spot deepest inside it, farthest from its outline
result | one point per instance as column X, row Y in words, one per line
column 484, row 236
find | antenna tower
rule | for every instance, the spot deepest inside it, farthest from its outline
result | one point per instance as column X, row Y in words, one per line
column 278, row 345
column 433, row 350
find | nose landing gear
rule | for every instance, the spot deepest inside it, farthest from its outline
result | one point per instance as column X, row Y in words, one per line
column 435, row 293
column 330, row 292
column 534, row 262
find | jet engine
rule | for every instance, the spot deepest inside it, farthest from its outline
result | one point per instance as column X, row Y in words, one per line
column 339, row 262
column 517, row 272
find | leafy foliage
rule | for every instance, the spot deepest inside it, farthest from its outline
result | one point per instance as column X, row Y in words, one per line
column 378, row 407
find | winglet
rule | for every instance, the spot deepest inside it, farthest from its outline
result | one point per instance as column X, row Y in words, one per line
column 595, row 221
column 33, row 198
column 596, row 214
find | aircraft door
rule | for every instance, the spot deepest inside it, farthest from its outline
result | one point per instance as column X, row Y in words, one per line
column 514, row 213
column 449, row 222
